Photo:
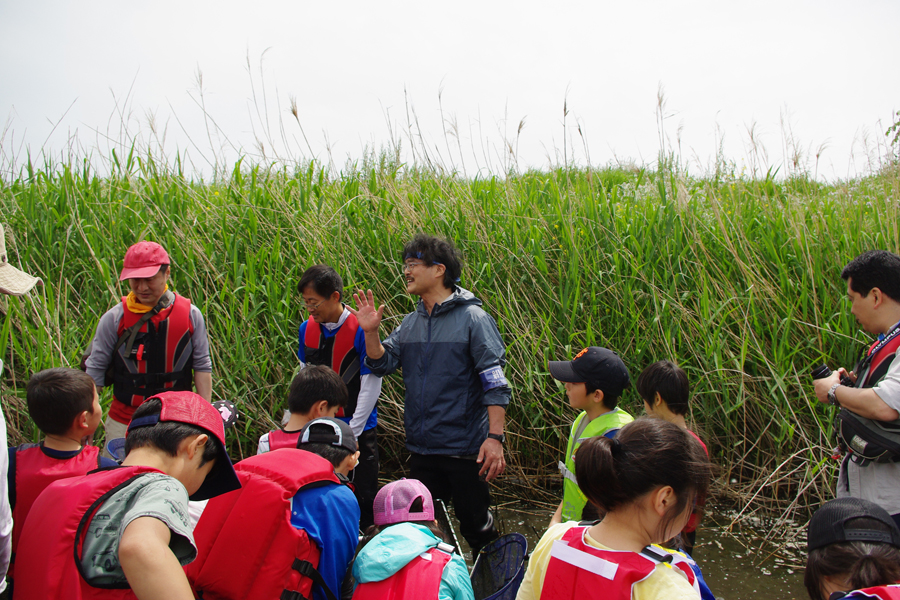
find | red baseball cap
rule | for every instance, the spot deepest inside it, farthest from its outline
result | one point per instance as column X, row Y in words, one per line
column 193, row 409
column 143, row 260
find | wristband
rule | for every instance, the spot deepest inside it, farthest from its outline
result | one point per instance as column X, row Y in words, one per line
column 500, row 437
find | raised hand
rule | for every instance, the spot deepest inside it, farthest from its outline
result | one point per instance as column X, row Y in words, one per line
column 369, row 318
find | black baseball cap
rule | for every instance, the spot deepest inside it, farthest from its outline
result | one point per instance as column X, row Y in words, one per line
column 328, row 430
column 600, row 367
column 833, row 523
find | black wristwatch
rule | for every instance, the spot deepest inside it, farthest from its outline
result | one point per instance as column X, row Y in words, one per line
column 500, row 437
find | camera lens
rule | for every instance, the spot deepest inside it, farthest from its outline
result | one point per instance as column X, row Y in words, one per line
column 820, row 371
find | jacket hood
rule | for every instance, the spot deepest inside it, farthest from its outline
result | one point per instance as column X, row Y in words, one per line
column 459, row 297
column 391, row 550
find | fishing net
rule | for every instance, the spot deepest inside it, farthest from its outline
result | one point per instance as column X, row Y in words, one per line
column 499, row 568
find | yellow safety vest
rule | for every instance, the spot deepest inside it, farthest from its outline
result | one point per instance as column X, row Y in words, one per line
column 573, row 499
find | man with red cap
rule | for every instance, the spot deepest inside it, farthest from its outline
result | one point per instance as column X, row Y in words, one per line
column 153, row 341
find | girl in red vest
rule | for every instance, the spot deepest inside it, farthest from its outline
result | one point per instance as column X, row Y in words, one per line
column 853, row 544
column 646, row 480
column 405, row 554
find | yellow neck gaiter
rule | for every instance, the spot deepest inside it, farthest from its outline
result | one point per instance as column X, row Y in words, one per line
column 135, row 306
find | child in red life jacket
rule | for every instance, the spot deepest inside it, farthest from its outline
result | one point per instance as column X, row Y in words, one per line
column 316, row 391
column 291, row 531
column 852, row 544
column 645, row 480
column 125, row 532
column 63, row 404
column 404, row 555
column 666, row 392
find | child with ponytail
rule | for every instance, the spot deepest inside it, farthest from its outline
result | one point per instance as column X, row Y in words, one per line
column 646, row 481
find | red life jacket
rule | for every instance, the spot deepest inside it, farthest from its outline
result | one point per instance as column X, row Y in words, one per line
column 339, row 353
column 579, row 571
column 34, row 471
column 158, row 360
column 282, row 439
column 246, row 545
column 46, row 564
column 881, row 592
column 420, row 579
column 879, row 359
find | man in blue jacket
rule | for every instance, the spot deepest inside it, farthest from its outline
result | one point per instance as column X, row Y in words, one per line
column 452, row 358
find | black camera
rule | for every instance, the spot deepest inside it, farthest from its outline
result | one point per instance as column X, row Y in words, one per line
column 822, row 371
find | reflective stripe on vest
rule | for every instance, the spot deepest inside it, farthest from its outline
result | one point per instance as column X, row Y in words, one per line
column 35, row 471
column 46, row 564
column 246, row 545
column 159, row 360
column 610, row 422
column 578, row 571
column 420, row 578
column 338, row 352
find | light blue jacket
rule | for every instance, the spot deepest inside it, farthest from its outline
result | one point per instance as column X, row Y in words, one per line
column 396, row 546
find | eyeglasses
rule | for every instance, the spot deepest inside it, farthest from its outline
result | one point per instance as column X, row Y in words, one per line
column 311, row 307
column 409, row 266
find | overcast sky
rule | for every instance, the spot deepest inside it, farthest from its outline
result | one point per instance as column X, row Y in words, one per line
column 822, row 73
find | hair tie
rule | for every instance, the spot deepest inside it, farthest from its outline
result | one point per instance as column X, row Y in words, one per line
column 616, row 447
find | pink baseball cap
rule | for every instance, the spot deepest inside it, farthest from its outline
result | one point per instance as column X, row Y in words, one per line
column 193, row 409
column 393, row 502
column 143, row 260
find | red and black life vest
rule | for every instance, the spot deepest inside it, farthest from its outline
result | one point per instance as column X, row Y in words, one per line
column 882, row 592
column 283, row 439
column 247, row 547
column 339, row 353
column 159, row 359
column 420, row 579
column 579, row 571
column 866, row 440
column 879, row 358
column 48, row 564
column 34, row 470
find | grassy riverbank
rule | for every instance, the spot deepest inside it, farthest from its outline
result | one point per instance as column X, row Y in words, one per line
column 738, row 280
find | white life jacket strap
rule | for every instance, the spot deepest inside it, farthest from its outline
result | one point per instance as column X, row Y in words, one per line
column 578, row 558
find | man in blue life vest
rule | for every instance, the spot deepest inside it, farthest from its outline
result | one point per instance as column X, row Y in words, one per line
column 332, row 337
column 873, row 286
column 452, row 357
column 154, row 340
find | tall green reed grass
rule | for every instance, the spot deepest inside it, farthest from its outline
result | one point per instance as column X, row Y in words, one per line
column 736, row 279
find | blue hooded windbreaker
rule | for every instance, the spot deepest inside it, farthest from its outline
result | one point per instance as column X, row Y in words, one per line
column 452, row 363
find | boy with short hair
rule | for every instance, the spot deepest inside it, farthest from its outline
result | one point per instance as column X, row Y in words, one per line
column 316, row 391
column 666, row 392
column 594, row 380
column 248, row 529
column 125, row 532
column 63, row 404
